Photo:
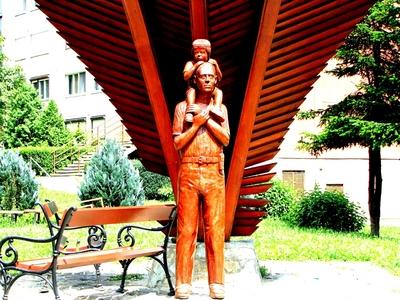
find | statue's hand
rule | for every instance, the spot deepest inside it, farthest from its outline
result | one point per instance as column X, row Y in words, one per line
column 212, row 61
column 201, row 118
column 194, row 109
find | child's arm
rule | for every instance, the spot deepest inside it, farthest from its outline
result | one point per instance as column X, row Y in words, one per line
column 189, row 69
column 219, row 73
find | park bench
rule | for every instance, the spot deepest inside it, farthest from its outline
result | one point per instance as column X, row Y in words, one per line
column 65, row 256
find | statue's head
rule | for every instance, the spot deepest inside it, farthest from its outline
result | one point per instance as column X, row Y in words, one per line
column 201, row 49
column 206, row 78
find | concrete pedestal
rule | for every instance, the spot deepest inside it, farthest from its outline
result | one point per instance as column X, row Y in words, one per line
column 242, row 273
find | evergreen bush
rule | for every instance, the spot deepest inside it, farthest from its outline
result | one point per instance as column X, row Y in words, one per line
column 330, row 210
column 112, row 177
column 18, row 187
column 155, row 185
column 281, row 199
column 51, row 128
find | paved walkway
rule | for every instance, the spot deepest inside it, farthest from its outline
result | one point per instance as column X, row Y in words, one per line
column 287, row 280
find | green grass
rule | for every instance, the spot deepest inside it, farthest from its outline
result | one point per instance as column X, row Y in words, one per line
column 274, row 240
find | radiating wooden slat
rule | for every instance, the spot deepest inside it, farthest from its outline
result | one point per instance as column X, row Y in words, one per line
column 243, row 230
column 247, row 222
column 268, row 139
column 252, row 202
column 247, row 119
column 154, row 88
column 258, row 169
column 198, row 19
column 249, row 213
column 266, row 120
column 256, row 189
column 258, row 179
column 269, row 130
column 92, row 35
column 262, row 158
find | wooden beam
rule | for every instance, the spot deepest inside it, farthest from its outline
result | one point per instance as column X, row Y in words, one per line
column 252, row 95
column 152, row 80
column 198, row 19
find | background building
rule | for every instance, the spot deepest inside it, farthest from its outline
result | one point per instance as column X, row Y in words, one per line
column 54, row 69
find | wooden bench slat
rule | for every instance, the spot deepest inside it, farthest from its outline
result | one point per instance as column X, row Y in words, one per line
column 88, row 258
column 129, row 214
column 103, row 256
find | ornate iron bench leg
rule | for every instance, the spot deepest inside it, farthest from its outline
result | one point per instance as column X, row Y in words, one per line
column 97, row 267
column 125, row 265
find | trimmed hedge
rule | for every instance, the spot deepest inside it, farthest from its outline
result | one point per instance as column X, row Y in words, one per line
column 44, row 156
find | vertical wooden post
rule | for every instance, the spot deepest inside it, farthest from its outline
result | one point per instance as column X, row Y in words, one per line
column 198, row 19
column 151, row 77
column 252, row 95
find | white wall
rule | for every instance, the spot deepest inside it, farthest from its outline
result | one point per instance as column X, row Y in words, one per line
column 33, row 43
column 349, row 166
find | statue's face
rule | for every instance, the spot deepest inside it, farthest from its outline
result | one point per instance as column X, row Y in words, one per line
column 206, row 78
column 200, row 54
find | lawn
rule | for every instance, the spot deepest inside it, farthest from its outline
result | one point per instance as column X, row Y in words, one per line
column 274, row 240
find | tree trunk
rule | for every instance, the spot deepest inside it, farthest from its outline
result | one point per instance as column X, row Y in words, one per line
column 374, row 189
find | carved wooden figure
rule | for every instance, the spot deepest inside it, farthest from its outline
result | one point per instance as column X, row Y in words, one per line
column 271, row 52
column 201, row 184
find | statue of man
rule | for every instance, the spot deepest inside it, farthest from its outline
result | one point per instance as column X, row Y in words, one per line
column 201, row 185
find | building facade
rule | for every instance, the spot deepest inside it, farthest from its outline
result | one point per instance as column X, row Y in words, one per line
column 54, row 69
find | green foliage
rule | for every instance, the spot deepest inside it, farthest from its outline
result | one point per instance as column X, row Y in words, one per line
column 155, row 185
column 45, row 156
column 18, row 187
column 328, row 209
column 281, row 198
column 23, row 122
column 371, row 116
column 51, row 128
column 112, row 177
column 22, row 113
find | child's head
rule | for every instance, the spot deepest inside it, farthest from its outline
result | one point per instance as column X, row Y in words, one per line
column 201, row 49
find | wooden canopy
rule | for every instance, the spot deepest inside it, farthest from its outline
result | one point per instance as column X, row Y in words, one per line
column 270, row 53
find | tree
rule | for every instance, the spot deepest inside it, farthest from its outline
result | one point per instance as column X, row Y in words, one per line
column 22, row 113
column 51, row 128
column 370, row 117
column 112, row 177
column 23, row 121
column 18, row 186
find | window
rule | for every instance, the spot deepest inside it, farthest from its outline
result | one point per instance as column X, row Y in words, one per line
column 42, row 86
column 98, row 127
column 21, row 44
column 76, row 83
column 334, row 187
column 96, row 87
column 21, row 6
column 76, row 124
column 294, row 179
column 39, row 43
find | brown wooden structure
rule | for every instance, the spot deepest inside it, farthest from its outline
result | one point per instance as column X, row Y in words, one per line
column 270, row 52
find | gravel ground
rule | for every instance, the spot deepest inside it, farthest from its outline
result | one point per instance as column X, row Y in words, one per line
column 287, row 280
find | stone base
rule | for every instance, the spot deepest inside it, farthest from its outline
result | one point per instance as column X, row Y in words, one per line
column 241, row 268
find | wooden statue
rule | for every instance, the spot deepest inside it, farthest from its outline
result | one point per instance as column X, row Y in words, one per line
column 201, row 184
column 201, row 50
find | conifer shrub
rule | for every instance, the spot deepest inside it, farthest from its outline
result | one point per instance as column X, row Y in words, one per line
column 111, row 176
column 18, row 187
column 330, row 210
column 281, row 199
column 156, row 186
